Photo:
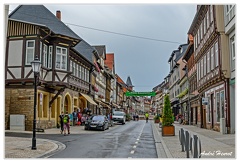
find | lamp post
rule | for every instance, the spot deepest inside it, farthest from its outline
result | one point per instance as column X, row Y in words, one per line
column 36, row 65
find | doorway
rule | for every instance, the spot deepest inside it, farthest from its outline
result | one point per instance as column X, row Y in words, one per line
column 212, row 105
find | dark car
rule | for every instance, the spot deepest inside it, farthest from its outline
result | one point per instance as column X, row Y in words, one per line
column 98, row 122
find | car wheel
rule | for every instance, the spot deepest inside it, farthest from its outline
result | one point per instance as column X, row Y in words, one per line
column 103, row 128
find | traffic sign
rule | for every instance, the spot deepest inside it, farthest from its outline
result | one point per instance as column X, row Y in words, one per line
column 140, row 93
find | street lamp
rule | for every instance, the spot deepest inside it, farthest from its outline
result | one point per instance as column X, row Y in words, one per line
column 36, row 65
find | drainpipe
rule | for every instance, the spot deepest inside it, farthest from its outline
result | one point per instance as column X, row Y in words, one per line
column 188, row 105
column 226, row 88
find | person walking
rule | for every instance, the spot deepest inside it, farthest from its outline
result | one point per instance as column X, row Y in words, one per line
column 146, row 116
column 74, row 114
column 61, row 121
column 66, row 122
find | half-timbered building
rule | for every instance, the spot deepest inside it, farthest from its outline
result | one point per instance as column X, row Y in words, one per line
column 212, row 60
column 64, row 81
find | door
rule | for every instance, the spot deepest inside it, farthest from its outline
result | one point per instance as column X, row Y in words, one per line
column 212, row 105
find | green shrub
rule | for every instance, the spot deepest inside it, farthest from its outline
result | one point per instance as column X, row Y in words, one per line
column 167, row 118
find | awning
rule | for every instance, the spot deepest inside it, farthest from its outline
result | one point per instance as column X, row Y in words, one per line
column 88, row 98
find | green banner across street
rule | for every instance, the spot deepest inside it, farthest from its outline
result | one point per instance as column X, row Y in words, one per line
column 140, row 93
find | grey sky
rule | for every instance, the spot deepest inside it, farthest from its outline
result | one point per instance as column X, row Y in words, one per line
column 145, row 61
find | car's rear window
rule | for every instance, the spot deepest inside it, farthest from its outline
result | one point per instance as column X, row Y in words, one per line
column 118, row 114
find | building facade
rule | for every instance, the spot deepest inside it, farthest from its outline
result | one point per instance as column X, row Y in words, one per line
column 211, row 54
column 64, row 82
column 229, row 17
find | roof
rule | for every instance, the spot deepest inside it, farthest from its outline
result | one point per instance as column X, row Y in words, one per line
column 180, row 54
column 129, row 82
column 101, row 50
column 86, row 50
column 39, row 14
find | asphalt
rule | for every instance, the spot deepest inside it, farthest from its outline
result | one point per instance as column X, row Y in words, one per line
column 213, row 144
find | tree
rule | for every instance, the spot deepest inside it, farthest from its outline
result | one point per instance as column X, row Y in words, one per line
column 167, row 119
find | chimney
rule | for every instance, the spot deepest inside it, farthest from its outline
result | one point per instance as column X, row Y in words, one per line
column 58, row 14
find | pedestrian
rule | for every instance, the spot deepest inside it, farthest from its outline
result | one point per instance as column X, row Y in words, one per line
column 146, row 116
column 137, row 117
column 79, row 118
column 74, row 114
column 66, row 122
column 61, row 121
column 83, row 119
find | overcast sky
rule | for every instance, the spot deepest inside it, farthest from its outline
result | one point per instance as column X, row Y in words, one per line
column 144, row 60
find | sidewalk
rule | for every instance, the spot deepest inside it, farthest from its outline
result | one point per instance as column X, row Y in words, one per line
column 214, row 144
column 18, row 147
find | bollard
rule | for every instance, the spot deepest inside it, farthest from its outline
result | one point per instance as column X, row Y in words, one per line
column 195, row 146
column 182, row 139
column 187, row 143
column 190, row 147
column 200, row 148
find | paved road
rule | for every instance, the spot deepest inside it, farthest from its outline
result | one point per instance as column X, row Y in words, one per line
column 132, row 140
column 139, row 142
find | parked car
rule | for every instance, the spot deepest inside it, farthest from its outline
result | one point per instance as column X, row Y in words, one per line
column 119, row 116
column 98, row 122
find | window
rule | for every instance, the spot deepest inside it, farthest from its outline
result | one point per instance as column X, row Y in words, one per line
column 201, row 30
column 218, row 106
column 61, row 58
column 198, row 40
column 208, row 62
column 82, row 73
column 79, row 71
column 209, row 109
column 85, row 74
column 76, row 72
column 222, row 104
column 50, row 56
column 44, row 63
column 230, row 12
column 207, row 24
column 40, row 52
column 212, row 59
column 30, row 50
column 71, row 66
column 216, row 54
column 201, row 67
column 205, row 65
column 73, row 69
column 232, row 42
column 211, row 13
column 204, row 25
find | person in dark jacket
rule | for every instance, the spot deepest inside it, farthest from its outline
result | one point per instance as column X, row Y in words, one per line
column 61, row 121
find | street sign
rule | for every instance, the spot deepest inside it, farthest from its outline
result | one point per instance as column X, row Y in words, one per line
column 140, row 93
column 205, row 101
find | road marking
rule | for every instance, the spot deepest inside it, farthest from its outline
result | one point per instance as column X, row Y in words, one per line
column 132, row 152
column 137, row 139
column 136, row 142
column 134, row 146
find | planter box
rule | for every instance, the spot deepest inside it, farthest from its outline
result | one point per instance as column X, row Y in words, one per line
column 168, row 130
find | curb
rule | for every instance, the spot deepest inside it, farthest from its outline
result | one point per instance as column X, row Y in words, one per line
column 158, row 138
column 58, row 146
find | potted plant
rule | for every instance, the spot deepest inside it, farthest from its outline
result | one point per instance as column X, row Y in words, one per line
column 157, row 118
column 168, row 128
